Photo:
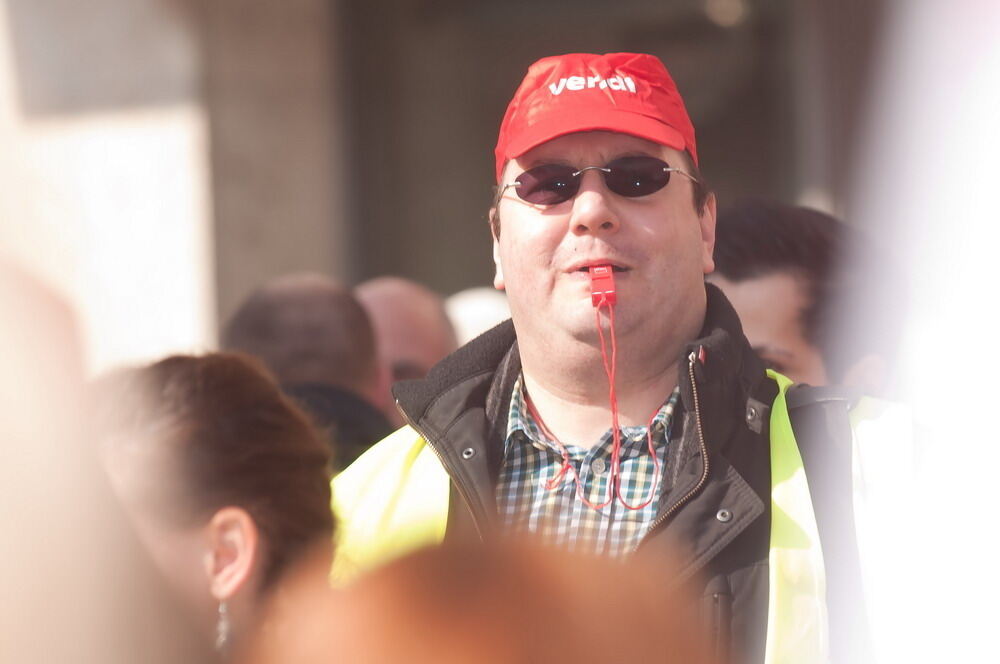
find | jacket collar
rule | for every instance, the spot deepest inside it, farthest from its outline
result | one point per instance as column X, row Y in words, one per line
column 491, row 353
column 729, row 374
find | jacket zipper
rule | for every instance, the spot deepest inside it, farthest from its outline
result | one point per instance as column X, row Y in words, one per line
column 704, row 455
column 458, row 485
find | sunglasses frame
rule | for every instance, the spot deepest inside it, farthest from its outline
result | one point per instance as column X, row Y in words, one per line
column 605, row 171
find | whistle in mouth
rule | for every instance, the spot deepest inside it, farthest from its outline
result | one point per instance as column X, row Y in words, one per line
column 602, row 285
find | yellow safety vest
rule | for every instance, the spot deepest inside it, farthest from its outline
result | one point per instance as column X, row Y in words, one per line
column 394, row 500
column 797, row 625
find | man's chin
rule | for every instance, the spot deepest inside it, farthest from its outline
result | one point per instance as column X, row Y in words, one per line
column 576, row 318
column 582, row 321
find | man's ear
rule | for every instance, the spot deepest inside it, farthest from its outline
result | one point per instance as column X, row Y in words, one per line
column 498, row 281
column 494, row 223
column 707, row 222
column 233, row 551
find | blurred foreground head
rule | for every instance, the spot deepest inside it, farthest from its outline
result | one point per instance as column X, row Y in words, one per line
column 77, row 586
column 509, row 603
column 225, row 479
column 808, row 299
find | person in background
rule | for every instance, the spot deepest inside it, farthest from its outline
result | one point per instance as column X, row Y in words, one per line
column 818, row 300
column 788, row 272
column 412, row 328
column 318, row 340
column 475, row 310
column 223, row 477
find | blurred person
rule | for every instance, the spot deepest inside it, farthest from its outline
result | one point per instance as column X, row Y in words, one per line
column 508, row 603
column 933, row 595
column 317, row 339
column 787, row 271
column 224, row 478
column 622, row 408
column 411, row 325
column 77, row 585
column 475, row 310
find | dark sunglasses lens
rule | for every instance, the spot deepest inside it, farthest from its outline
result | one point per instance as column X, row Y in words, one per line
column 548, row 184
column 637, row 176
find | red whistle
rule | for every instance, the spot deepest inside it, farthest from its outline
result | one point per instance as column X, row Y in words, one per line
column 602, row 285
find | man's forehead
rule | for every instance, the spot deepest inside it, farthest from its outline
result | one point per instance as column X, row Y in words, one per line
column 605, row 144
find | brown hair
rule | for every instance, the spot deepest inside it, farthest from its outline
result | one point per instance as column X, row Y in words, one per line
column 847, row 276
column 224, row 435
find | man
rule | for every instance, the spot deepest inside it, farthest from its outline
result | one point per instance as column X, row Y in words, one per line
column 603, row 230
column 317, row 340
column 784, row 269
column 411, row 326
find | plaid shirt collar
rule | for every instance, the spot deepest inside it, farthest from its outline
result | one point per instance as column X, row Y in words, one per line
column 527, row 503
column 520, row 420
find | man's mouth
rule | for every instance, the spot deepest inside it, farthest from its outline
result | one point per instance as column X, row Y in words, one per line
column 614, row 267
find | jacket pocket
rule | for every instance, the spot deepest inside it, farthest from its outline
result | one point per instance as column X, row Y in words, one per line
column 717, row 606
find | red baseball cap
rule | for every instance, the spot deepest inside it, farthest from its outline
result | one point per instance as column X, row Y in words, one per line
column 631, row 93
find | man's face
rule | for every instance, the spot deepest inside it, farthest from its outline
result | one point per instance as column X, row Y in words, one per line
column 659, row 244
column 770, row 309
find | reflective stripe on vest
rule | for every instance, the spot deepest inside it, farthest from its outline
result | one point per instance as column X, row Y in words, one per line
column 797, row 626
column 391, row 501
column 394, row 499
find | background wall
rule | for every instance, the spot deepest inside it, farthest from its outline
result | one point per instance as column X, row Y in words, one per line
column 105, row 171
column 164, row 157
column 271, row 81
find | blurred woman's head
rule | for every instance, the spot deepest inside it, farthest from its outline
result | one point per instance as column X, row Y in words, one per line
column 225, row 479
column 510, row 601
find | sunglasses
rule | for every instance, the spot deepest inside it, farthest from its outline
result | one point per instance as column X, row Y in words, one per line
column 550, row 184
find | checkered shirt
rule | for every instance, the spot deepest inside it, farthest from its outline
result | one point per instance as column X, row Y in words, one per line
column 531, row 460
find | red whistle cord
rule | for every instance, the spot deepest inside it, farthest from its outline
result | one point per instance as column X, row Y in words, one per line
column 614, row 483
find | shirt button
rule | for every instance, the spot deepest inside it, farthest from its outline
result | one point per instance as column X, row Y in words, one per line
column 598, row 466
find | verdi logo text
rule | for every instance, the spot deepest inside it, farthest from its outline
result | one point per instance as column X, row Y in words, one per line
column 623, row 83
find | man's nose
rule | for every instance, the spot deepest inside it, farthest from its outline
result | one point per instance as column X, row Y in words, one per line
column 593, row 211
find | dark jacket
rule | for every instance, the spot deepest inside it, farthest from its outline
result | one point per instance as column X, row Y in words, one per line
column 350, row 423
column 720, row 520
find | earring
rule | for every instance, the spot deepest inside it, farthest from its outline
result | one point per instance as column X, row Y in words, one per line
column 222, row 627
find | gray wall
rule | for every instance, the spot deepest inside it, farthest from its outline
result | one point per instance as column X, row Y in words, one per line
column 354, row 137
column 276, row 154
